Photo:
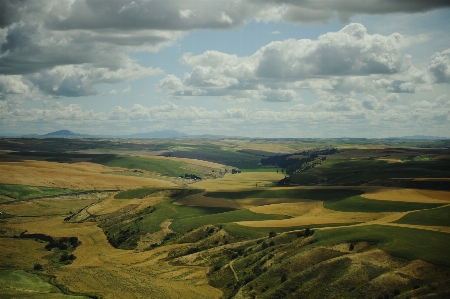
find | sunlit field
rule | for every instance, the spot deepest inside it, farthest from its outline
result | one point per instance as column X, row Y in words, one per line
column 138, row 229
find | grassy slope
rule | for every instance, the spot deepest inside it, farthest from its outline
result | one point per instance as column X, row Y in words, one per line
column 162, row 166
column 407, row 243
column 316, row 194
column 21, row 284
column 137, row 193
column 342, row 171
column 258, row 232
column 361, row 204
column 434, row 217
column 23, row 192
column 182, row 225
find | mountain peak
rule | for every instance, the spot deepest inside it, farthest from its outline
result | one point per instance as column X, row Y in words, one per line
column 61, row 133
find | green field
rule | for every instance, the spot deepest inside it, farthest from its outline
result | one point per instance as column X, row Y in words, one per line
column 21, row 284
column 182, row 225
column 252, row 166
column 407, row 243
column 346, row 171
column 361, row 204
column 434, row 217
column 22, row 192
column 316, row 194
column 168, row 210
column 162, row 166
column 259, row 232
column 138, row 193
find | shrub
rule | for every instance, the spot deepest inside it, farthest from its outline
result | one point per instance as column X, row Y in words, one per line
column 307, row 232
column 37, row 266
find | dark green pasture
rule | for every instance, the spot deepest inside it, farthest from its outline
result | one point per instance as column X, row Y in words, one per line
column 407, row 243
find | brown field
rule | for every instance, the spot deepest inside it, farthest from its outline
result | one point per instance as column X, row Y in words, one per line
column 103, row 269
column 84, row 175
column 308, row 213
column 111, row 204
column 115, row 273
column 200, row 200
column 189, row 161
column 407, row 195
column 239, row 181
column 273, row 146
column 52, row 206
column 21, row 253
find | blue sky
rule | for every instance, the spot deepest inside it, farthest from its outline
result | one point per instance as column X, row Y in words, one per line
column 239, row 68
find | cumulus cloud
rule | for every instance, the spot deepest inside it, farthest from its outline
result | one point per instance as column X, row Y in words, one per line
column 440, row 67
column 72, row 38
column 392, row 97
column 348, row 61
column 126, row 90
column 351, row 51
column 323, row 10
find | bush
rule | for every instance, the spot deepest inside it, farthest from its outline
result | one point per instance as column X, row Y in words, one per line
column 37, row 266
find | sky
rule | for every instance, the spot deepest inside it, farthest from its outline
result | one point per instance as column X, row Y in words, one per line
column 251, row 68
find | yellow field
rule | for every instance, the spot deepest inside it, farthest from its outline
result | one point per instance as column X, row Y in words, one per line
column 115, row 273
column 52, row 206
column 239, row 181
column 101, row 268
column 83, row 175
column 407, row 195
column 308, row 213
column 21, row 253
column 189, row 161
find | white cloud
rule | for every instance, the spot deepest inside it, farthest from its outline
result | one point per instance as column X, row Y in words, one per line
column 392, row 97
column 440, row 67
column 126, row 90
column 348, row 61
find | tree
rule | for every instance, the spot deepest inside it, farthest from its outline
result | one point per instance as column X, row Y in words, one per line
column 37, row 266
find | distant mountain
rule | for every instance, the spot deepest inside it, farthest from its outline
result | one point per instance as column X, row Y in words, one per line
column 61, row 133
column 419, row 137
column 158, row 134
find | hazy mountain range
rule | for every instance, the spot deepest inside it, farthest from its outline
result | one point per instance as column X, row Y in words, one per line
column 166, row 134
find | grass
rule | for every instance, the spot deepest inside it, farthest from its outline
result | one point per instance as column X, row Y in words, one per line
column 20, row 284
column 137, row 193
column 23, row 192
column 316, row 194
column 162, row 166
column 361, row 204
column 346, row 171
column 407, row 243
column 214, row 153
column 434, row 217
column 185, row 224
column 167, row 210
column 259, row 232
column 252, row 166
